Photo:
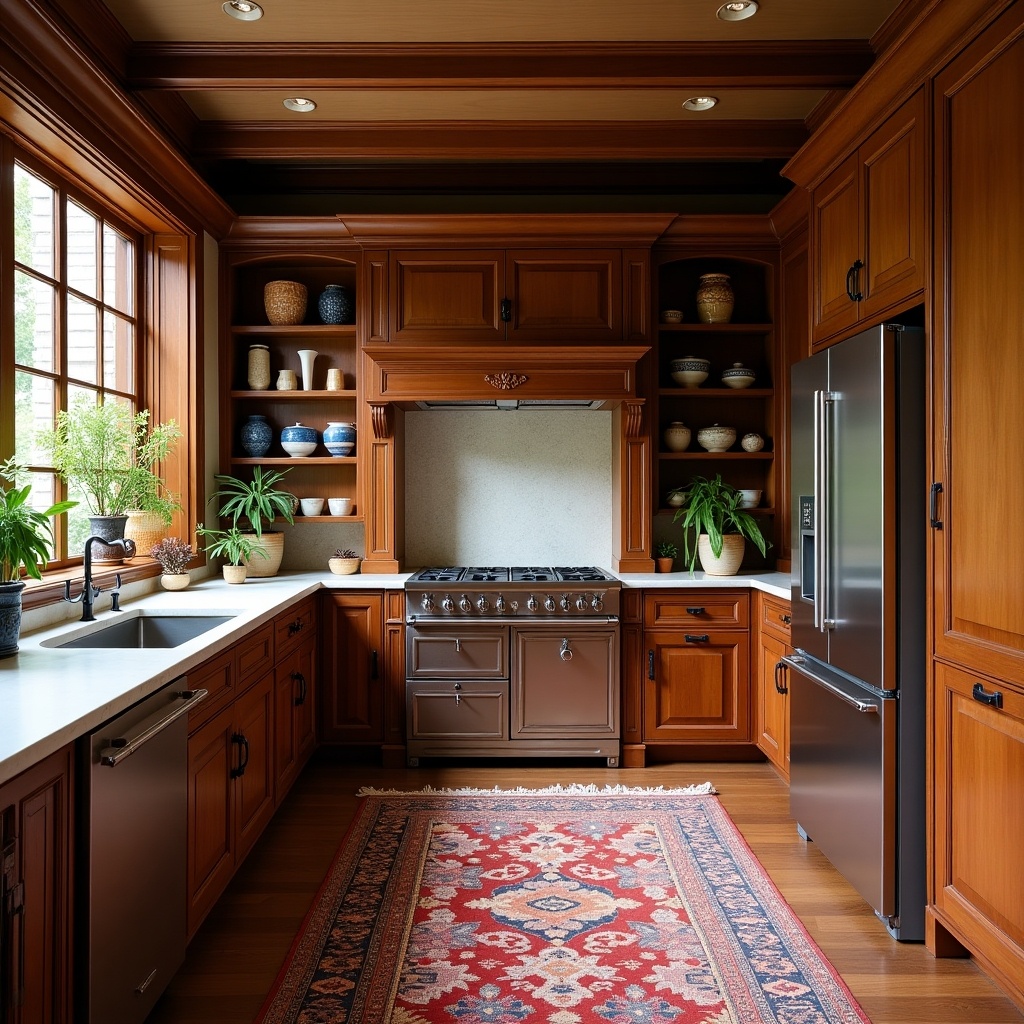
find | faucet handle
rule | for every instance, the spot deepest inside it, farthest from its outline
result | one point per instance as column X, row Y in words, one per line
column 115, row 594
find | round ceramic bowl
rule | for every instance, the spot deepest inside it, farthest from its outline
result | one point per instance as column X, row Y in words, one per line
column 716, row 438
column 311, row 506
column 299, row 449
column 690, row 372
column 752, row 442
column 671, row 316
column 738, row 376
column 298, row 440
column 676, row 499
column 749, row 498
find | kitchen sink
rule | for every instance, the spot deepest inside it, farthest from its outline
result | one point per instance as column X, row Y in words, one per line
column 139, row 630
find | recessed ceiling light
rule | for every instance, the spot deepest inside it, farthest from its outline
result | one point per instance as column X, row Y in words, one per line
column 243, row 10
column 300, row 104
column 700, row 102
column 738, row 10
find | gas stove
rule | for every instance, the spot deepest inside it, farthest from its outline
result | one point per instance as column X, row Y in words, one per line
column 512, row 592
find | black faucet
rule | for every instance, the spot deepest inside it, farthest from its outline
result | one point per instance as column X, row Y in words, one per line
column 89, row 592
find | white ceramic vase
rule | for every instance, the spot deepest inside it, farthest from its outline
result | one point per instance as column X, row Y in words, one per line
column 306, row 357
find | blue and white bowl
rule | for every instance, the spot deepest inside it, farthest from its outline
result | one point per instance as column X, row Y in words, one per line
column 340, row 438
column 299, row 440
column 691, row 372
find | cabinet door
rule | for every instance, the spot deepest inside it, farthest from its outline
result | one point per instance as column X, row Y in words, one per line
column 254, row 772
column 979, row 355
column 449, row 298
column 836, row 246
column 294, row 701
column 772, row 704
column 565, row 296
column 351, row 690
column 979, row 818
column 697, row 687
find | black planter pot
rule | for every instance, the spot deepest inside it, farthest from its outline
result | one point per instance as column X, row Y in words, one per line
column 109, row 528
column 10, row 617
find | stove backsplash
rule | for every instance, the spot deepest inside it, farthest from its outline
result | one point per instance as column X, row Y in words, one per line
column 532, row 487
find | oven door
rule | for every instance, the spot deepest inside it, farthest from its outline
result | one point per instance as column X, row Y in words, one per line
column 454, row 650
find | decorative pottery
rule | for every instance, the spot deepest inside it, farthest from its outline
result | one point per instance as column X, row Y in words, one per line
column 311, row 506
column 258, row 374
column 664, row 564
column 335, row 380
column 340, row 506
column 691, row 372
column 716, row 438
column 175, row 580
column 715, row 299
column 294, row 500
column 344, row 566
column 752, row 442
column 671, row 316
column 336, row 306
column 110, row 528
column 728, row 564
column 676, row 498
column 286, row 380
column 677, row 436
column 738, row 376
column 299, row 440
column 285, row 302
column 257, row 436
column 306, row 357
column 261, row 566
column 10, row 617
column 145, row 529
column 234, row 573
column 749, row 497
column 340, row 438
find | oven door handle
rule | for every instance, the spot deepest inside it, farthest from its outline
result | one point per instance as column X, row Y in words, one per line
column 513, row 620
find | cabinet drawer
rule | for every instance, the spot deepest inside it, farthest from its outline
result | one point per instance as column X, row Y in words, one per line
column 218, row 677
column 293, row 626
column 697, row 608
column 470, row 711
column 445, row 654
column 255, row 654
column 775, row 617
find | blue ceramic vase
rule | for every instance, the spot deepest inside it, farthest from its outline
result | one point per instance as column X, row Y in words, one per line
column 299, row 440
column 336, row 305
column 340, row 438
column 257, row 436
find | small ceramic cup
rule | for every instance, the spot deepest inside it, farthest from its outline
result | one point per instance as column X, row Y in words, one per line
column 340, row 506
column 286, row 380
column 671, row 316
column 311, row 506
column 334, row 380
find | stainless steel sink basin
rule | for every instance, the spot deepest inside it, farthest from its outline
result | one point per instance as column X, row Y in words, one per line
column 137, row 630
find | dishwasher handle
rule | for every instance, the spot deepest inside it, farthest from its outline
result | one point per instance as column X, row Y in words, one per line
column 124, row 746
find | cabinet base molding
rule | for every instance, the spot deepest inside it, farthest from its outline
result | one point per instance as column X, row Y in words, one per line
column 634, row 755
column 939, row 940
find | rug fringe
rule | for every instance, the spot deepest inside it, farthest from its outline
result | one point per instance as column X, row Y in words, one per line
column 575, row 789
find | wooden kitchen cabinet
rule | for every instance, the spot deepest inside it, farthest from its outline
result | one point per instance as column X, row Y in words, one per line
column 771, row 710
column 36, row 844
column 869, row 227
column 294, row 714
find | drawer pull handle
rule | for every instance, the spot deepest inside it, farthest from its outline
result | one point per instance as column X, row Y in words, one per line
column 994, row 699
column 853, row 281
column 694, row 611
column 295, row 627
column 505, row 311
column 786, row 619
column 239, row 738
column 299, row 678
column 458, row 646
column 458, row 695
column 696, row 638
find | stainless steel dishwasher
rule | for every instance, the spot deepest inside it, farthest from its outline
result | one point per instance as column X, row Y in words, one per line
column 133, row 877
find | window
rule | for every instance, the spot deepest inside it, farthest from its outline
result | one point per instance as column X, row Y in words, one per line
column 75, row 331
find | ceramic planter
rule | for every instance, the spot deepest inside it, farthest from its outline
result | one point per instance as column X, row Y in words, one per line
column 269, row 564
column 10, row 617
column 344, row 566
column 175, row 580
column 728, row 563
column 234, row 573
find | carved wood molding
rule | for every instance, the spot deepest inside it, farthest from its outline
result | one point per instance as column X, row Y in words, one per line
column 505, row 381
column 381, row 420
column 633, row 418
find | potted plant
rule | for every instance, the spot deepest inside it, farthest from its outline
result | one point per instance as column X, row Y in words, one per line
column 235, row 547
column 664, row 555
column 26, row 537
column 109, row 455
column 254, row 502
column 344, row 562
column 712, row 513
column 173, row 554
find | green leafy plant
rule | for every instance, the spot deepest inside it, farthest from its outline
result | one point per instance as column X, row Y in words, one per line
column 665, row 550
column 234, row 546
column 109, row 455
column 713, row 507
column 26, row 534
column 254, row 501
column 173, row 554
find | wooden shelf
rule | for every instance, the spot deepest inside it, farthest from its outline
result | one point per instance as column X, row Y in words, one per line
column 758, row 511
column 297, row 330
column 681, row 392
column 717, row 328
column 358, row 518
column 703, row 456
column 296, row 395
column 309, row 460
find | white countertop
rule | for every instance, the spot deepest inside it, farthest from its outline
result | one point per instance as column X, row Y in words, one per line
column 51, row 696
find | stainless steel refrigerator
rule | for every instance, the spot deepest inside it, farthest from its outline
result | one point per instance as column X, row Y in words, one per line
column 857, row 691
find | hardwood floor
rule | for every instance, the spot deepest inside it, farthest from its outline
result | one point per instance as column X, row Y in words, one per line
column 235, row 957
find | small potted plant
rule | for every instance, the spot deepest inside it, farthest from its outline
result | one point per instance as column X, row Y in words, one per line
column 173, row 554
column 664, row 555
column 255, row 502
column 26, row 537
column 719, row 525
column 344, row 562
column 235, row 547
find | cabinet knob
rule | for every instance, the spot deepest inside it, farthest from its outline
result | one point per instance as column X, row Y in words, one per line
column 694, row 611
column 786, row 619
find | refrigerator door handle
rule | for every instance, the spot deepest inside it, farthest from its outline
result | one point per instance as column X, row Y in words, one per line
column 798, row 664
column 823, row 618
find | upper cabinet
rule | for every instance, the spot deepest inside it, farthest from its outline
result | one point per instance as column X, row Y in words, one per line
column 869, row 232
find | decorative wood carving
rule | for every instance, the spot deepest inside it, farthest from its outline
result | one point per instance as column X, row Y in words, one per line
column 505, row 381
column 633, row 417
column 381, row 419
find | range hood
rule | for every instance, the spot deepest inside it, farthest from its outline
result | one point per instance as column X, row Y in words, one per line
column 512, row 404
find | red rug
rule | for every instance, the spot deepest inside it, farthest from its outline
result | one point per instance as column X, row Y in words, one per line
column 575, row 906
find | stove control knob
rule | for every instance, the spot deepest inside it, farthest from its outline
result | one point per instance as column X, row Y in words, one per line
column 448, row 604
column 563, row 602
column 531, row 604
column 596, row 603
column 549, row 603
column 465, row 604
column 427, row 602
column 581, row 603
column 500, row 604
column 482, row 604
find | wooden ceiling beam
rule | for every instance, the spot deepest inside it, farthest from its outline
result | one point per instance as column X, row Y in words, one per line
column 203, row 66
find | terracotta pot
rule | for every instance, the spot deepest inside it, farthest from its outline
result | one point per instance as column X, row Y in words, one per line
column 664, row 564
column 728, row 564
column 234, row 573
column 269, row 564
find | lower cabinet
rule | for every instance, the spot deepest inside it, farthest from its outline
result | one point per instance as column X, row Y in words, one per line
column 35, row 893
column 294, row 715
column 979, row 823
column 771, row 680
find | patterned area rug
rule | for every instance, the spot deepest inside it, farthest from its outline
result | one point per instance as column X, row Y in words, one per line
column 559, row 906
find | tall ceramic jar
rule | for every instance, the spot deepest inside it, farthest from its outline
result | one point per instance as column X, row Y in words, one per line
column 258, row 370
column 335, row 305
column 257, row 436
column 715, row 299
column 340, row 438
